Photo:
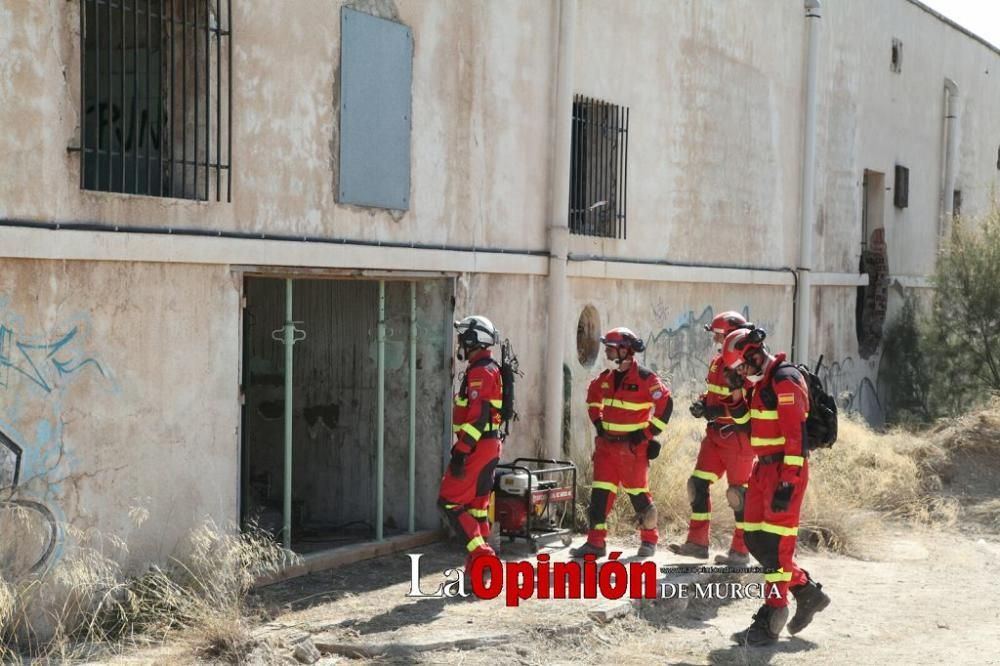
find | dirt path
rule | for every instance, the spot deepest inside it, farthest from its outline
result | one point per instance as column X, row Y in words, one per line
column 926, row 598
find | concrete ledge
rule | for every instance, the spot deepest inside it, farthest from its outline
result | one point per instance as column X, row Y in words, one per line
column 839, row 279
column 335, row 557
column 612, row 270
column 22, row 243
column 911, row 281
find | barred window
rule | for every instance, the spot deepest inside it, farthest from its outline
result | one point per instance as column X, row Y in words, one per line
column 598, row 168
column 155, row 103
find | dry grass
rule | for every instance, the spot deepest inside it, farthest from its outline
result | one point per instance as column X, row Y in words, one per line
column 867, row 477
column 86, row 606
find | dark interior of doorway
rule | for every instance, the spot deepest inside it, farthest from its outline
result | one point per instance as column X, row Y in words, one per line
column 334, row 407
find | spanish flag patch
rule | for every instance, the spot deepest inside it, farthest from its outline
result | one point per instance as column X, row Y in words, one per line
column 786, row 398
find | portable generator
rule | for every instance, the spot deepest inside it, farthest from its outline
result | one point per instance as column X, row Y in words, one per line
column 535, row 500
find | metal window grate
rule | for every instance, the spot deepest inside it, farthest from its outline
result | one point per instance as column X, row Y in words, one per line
column 598, row 168
column 156, row 97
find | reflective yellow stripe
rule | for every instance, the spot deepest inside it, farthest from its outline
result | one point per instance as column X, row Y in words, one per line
column 625, row 427
column 601, row 526
column 450, row 506
column 752, row 527
column 636, row 491
column 764, row 414
column 604, row 485
column 779, row 529
column 475, row 543
column 471, row 429
column 496, row 404
column 479, row 513
column 741, row 526
column 766, row 441
column 658, row 423
column 794, row 460
column 708, row 476
column 778, row 577
column 701, row 516
column 597, row 405
column 624, row 404
column 461, row 402
column 455, row 428
column 741, row 419
column 719, row 390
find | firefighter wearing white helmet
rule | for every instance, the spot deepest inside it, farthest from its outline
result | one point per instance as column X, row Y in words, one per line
column 465, row 487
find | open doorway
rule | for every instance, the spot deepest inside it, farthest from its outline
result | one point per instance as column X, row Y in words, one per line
column 872, row 299
column 335, row 481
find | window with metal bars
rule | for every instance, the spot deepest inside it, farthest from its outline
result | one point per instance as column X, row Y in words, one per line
column 598, row 168
column 156, row 93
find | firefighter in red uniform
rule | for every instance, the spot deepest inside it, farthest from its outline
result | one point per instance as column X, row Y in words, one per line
column 465, row 488
column 725, row 449
column 628, row 407
column 778, row 407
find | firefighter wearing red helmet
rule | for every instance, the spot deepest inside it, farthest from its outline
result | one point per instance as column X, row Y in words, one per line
column 725, row 450
column 465, row 488
column 778, row 408
column 628, row 405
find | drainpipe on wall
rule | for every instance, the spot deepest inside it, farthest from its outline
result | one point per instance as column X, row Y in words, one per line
column 950, row 155
column 804, row 307
column 559, row 229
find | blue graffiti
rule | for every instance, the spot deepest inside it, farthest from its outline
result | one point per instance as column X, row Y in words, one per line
column 34, row 359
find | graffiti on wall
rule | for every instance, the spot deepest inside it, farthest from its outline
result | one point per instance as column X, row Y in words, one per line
column 681, row 351
column 43, row 363
column 37, row 371
column 850, row 384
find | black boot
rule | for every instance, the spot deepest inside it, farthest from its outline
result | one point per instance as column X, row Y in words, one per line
column 809, row 600
column 765, row 628
column 588, row 549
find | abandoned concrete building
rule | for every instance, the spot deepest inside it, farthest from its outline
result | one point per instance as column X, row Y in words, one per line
column 191, row 186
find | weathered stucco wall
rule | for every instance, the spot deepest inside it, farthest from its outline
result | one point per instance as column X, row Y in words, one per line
column 120, row 383
column 140, row 405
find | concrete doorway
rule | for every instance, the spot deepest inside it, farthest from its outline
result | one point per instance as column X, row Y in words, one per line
column 345, row 488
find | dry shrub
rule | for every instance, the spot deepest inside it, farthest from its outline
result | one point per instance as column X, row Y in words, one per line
column 86, row 604
column 863, row 479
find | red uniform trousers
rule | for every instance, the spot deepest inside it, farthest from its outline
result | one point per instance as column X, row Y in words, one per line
column 466, row 501
column 771, row 536
column 619, row 462
column 727, row 453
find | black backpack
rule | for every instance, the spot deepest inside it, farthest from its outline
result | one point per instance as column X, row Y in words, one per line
column 821, row 424
column 509, row 371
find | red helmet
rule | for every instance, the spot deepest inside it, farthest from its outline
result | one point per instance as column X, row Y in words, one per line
column 726, row 322
column 739, row 344
column 623, row 337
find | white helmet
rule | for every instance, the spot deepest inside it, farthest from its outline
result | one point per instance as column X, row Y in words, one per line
column 477, row 331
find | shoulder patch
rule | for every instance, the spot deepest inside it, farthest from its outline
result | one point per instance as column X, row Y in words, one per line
column 476, row 382
column 786, row 398
column 657, row 394
column 713, row 367
column 605, row 385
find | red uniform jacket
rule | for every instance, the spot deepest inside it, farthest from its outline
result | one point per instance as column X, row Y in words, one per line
column 476, row 412
column 634, row 400
column 778, row 410
column 723, row 405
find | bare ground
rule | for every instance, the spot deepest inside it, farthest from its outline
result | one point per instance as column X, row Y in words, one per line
column 923, row 597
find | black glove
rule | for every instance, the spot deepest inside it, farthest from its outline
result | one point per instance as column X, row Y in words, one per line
column 636, row 437
column 734, row 380
column 599, row 427
column 697, row 409
column 457, row 465
column 653, row 450
column 782, row 497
